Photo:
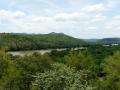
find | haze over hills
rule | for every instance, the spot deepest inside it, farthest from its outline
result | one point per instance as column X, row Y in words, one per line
column 104, row 41
column 109, row 41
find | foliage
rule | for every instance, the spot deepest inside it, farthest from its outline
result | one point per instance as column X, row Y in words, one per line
column 8, row 73
column 99, row 53
column 34, row 63
column 16, row 72
column 97, row 67
column 112, row 69
column 80, row 60
column 62, row 77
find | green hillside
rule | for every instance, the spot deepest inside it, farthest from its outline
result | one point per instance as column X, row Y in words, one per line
column 16, row 41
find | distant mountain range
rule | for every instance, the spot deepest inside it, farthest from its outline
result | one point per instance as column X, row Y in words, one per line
column 104, row 41
column 110, row 41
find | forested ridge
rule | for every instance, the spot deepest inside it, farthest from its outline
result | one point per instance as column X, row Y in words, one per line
column 38, row 41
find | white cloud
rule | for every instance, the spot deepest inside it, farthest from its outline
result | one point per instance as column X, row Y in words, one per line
column 87, row 22
column 112, row 3
column 116, row 17
column 98, row 18
column 69, row 23
column 10, row 14
column 94, row 8
column 113, row 23
column 92, row 28
column 18, row 14
column 76, row 16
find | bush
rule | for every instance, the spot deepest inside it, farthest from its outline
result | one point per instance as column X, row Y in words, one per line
column 111, row 81
column 80, row 60
column 61, row 77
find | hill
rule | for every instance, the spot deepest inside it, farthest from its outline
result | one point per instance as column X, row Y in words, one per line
column 104, row 41
column 109, row 41
column 15, row 41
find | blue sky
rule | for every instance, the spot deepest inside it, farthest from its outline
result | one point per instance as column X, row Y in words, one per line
column 78, row 18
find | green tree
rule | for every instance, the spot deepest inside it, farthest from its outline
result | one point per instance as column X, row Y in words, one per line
column 62, row 77
column 112, row 69
column 8, row 72
column 80, row 60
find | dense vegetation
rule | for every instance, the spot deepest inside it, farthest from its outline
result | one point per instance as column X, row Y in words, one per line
column 38, row 41
column 96, row 68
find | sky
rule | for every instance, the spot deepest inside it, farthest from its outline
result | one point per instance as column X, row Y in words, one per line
column 78, row 18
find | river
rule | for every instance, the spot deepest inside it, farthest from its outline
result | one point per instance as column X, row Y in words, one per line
column 30, row 52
